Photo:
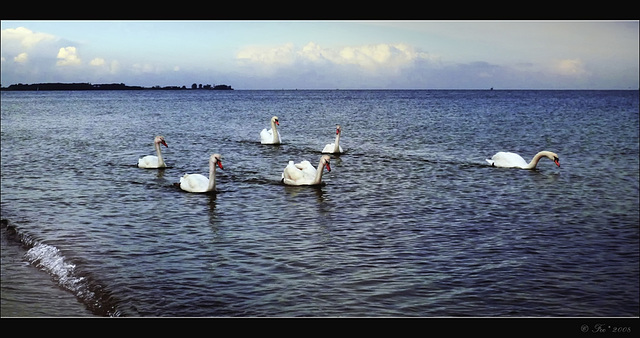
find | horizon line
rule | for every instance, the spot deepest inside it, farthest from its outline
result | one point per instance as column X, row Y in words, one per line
column 185, row 87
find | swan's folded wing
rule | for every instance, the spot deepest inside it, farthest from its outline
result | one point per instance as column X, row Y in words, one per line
column 307, row 169
column 148, row 161
column 303, row 165
column 194, row 182
column 508, row 160
column 186, row 183
column 266, row 135
column 291, row 172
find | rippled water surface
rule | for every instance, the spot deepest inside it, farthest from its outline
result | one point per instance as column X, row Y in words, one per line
column 412, row 221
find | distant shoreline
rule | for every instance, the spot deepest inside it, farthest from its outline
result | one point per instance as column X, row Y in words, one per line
column 105, row 86
column 121, row 86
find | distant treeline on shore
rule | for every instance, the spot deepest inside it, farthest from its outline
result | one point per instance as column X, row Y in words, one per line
column 107, row 86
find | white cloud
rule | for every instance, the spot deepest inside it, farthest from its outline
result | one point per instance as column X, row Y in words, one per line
column 115, row 67
column 97, row 62
column 24, row 36
column 146, row 68
column 23, row 46
column 380, row 57
column 21, row 58
column 266, row 60
column 571, row 67
column 374, row 58
column 312, row 52
column 314, row 66
column 68, row 56
column 100, row 67
column 283, row 54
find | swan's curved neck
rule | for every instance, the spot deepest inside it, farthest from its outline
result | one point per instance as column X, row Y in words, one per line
column 319, row 171
column 274, row 127
column 536, row 159
column 212, row 177
column 336, row 148
column 159, row 153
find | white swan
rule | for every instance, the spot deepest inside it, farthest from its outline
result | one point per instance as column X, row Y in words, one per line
column 271, row 136
column 151, row 161
column 511, row 160
column 334, row 148
column 304, row 173
column 199, row 183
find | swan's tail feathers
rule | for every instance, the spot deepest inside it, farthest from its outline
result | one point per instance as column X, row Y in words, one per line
column 292, row 172
column 184, row 177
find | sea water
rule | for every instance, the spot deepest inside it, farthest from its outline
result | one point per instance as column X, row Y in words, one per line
column 411, row 221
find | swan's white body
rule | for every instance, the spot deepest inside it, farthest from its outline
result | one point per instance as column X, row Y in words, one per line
column 271, row 136
column 200, row 183
column 150, row 161
column 512, row 160
column 304, row 173
column 334, row 148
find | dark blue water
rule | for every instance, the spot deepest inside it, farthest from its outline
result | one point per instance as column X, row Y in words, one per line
column 411, row 221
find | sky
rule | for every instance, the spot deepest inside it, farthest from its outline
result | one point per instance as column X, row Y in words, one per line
column 332, row 54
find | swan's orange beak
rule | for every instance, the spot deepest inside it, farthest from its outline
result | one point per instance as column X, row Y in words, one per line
column 164, row 143
column 328, row 166
column 220, row 164
column 557, row 161
column 278, row 123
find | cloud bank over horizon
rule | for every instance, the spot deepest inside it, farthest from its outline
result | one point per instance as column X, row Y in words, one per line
column 410, row 60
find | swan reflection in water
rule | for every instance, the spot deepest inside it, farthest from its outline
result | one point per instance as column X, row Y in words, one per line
column 295, row 191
